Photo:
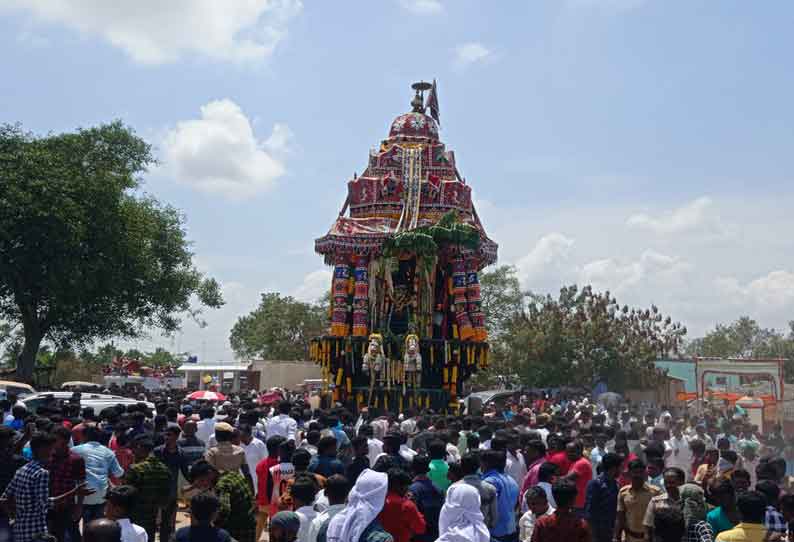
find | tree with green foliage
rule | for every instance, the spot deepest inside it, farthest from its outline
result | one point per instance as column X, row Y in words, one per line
column 280, row 328
column 103, row 356
column 84, row 256
column 578, row 338
column 745, row 338
column 502, row 300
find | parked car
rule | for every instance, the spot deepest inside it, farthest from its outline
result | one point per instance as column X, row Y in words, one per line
column 474, row 403
column 80, row 385
column 20, row 389
column 97, row 401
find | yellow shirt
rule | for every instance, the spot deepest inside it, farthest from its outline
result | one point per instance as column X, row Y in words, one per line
column 744, row 532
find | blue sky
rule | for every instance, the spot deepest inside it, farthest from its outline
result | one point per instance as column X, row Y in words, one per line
column 643, row 146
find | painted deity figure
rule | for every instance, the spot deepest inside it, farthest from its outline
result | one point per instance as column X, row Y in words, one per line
column 374, row 361
column 412, row 362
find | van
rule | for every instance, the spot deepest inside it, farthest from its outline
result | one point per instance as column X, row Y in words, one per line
column 97, row 401
column 20, row 389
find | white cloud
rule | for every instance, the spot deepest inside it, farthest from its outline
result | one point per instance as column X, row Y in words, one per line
column 155, row 32
column 279, row 141
column 617, row 276
column 698, row 214
column 773, row 290
column 219, row 152
column 545, row 261
column 471, row 53
column 423, row 7
column 315, row 285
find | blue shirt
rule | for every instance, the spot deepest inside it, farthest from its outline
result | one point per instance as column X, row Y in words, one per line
column 506, row 499
column 326, row 466
column 100, row 463
column 16, row 425
column 601, row 504
column 429, row 501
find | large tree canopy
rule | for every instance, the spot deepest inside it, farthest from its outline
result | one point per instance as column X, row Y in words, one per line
column 745, row 338
column 575, row 339
column 280, row 328
column 84, row 256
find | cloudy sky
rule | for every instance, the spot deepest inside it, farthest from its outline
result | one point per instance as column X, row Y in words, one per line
column 642, row 146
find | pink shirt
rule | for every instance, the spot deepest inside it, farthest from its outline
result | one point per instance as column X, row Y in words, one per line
column 531, row 479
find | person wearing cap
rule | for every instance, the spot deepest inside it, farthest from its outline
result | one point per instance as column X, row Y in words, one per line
column 227, row 456
column 152, row 478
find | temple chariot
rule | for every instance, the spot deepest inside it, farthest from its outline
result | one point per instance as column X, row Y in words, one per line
column 407, row 327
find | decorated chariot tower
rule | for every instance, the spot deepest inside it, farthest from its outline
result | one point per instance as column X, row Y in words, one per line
column 407, row 327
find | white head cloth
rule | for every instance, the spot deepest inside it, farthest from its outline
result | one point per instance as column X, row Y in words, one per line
column 363, row 506
column 461, row 519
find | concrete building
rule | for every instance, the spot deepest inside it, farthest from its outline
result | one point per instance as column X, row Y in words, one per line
column 256, row 374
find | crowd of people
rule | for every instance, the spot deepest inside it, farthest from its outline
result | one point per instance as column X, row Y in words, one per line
column 541, row 469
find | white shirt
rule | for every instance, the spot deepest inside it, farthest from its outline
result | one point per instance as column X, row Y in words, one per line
column 283, row 426
column 320, row 519
column 452, row 453
column 375, row 449
column 705, row 439
column 131, row 532
column 307, row 514
column 255, row 451
column 681, row 455
column 408, row 426
column 515, row 467
column 205, row 429
column 527, row 524
column 406, row 453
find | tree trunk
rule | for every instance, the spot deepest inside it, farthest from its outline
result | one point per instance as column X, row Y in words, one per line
column 27, row 359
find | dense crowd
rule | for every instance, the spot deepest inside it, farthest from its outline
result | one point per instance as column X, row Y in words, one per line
column 539, row 470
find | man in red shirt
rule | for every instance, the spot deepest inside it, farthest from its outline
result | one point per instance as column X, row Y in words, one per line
column 262, row 474
column 580, row 472
column 400, row 517
column 557, row 454
column 563, row 524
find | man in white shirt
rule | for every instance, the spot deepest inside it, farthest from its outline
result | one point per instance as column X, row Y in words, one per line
column 515, row 467
column 408, row 425
column 701, row 435
column 375, row 446
column 336, row 490
column 282, row 424
column 681, row 455
column 303, row 492
column 538, row 506
column 120, row 500
column 205, row 428
column 255, row 451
